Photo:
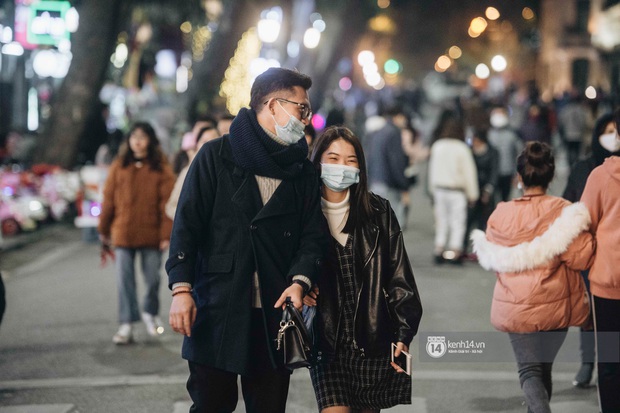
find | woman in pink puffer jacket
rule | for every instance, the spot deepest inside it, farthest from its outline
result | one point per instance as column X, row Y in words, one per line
column 537, row 244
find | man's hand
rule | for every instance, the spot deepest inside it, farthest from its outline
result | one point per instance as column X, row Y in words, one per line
column 296, row 292
column 182, row 314
column 163, row 245
column 311, row 297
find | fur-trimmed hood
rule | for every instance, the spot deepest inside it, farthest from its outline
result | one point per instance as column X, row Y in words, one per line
column 573, row 220
column 537, row 246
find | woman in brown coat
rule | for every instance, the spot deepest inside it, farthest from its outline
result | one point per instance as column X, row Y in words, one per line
column 133, row 221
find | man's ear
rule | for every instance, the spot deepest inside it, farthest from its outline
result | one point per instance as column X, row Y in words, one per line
column 269, row 106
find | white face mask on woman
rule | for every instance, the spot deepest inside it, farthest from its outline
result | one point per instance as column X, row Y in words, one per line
column 339, row 177
column 610, row 141
column 293, row 131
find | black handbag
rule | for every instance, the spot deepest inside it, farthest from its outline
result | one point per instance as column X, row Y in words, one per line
column 293, row 339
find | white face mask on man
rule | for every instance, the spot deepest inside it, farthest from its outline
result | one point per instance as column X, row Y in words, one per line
column 610, row 141
column 293, row 131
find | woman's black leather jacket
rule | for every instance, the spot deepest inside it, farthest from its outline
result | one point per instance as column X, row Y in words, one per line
column 387, row 305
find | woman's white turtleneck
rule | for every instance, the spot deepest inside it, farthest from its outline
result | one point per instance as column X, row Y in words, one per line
column 337, row 214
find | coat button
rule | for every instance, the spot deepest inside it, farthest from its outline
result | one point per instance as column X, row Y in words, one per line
column 318, row 358
column 181, row 255
column 253, row 227
column 287, row 234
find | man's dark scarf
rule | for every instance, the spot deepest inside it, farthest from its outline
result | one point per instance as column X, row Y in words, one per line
column 256, row 152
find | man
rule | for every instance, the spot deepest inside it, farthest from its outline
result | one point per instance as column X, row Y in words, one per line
column 248, row 233
column 387, row 162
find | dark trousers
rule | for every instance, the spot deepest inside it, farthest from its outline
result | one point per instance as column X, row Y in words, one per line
column 2, row 299
column 264, row 390
column 504, row 183
column 607, row 319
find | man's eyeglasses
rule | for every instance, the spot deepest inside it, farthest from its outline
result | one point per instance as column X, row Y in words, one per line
column 305, row 111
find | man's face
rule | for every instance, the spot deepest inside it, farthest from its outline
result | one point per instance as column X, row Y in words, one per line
column 283, row 104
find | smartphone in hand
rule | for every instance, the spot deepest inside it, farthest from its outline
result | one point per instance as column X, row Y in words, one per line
column 403, row 360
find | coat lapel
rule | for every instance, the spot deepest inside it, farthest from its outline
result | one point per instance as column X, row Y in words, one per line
column 282, row 202
column 247, row 196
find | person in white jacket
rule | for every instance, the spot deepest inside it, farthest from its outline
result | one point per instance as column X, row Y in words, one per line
column 453, row 184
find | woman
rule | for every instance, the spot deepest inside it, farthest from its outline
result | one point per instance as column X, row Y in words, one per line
column 133, row 221
column 537, row 244
column 204, row 135
column 453, row 184
column 600, row 195
column 368, row 296
column 603, row 146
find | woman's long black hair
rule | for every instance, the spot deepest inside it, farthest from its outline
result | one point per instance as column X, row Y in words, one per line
column 360, row 209
column 154, row 156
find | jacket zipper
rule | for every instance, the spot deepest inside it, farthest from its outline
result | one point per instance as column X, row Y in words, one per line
column 355, row 346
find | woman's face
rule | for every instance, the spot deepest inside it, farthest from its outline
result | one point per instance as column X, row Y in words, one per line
column 139, row 143
column 340, row 152
column 609, row 128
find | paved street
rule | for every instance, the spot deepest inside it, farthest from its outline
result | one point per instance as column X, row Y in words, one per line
column 56, row 353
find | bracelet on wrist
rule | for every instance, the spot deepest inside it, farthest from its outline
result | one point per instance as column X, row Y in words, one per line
column 181, row 292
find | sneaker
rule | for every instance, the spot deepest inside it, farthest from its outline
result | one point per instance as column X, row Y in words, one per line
column 153, row 324
column 124, row 335
column 584, row 376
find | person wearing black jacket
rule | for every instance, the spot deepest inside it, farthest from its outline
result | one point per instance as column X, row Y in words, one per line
column 367, row 295
column 487, row 165
column 246, row 235
column 574, row 188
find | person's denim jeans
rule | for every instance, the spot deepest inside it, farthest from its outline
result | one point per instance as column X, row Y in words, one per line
column 126, row 278
column 535, row 353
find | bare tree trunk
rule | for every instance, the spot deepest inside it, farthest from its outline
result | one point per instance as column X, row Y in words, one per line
column 238, row 16
column 92, row 46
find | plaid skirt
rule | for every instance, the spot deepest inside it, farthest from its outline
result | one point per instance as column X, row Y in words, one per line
column 350, row 378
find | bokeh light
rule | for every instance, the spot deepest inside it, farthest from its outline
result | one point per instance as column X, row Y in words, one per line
column 444, row 62
column 591, row 92
column 345, row 84
column 482, row 71
column 318, row 121
column 478, row 25
column 455, row 52
column 499, row 63
column 527, row 13
column 365, row 57
column 392, row 66
column 492, row 13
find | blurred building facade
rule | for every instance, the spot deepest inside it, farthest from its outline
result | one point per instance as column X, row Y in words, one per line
column 580, row 47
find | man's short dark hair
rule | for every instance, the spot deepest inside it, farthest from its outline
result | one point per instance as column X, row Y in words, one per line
column 273, row 80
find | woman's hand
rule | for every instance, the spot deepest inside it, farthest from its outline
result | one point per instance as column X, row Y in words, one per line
column 311, row 297
column 164, row 244
column 296, row 292
column 400, row 346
